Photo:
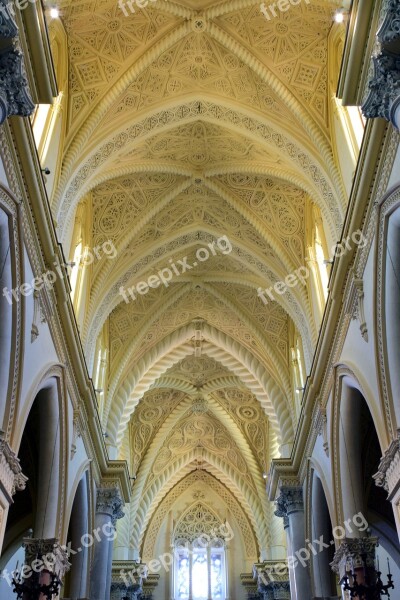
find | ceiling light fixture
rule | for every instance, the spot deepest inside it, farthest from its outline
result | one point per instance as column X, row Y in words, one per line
column 339, row 16
column 54, row 13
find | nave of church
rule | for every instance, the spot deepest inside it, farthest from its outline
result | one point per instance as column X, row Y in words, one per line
column 199, row 300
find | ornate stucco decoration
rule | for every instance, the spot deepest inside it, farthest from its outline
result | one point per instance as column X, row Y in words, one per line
column 353, row 554
column 388, row 474
column 12, row 479
column 42, row 547
column 14, row 92
column 289, row 501
column 196, row 522
column 384, row 88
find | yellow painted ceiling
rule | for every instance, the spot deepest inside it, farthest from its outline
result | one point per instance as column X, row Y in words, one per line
column 187, row 121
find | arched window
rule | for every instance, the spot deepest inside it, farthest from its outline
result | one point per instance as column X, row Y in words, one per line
column 298, row 367
column 80, row 259
column 199, row 556
column 317, row 257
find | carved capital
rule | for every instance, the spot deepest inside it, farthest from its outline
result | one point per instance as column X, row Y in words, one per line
column 8, row 26
column 354, row 554
column 289, row 501
column 14, row 92
column 109, row 502
column 389, row 31
column 388, row 475
column 11, row 477
column 57, row 556
column 384, row 88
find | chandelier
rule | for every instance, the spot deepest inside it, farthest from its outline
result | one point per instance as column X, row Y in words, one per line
column 41, row 585
column 372, row 587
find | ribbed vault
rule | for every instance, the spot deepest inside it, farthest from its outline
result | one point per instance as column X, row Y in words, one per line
column 198, row 134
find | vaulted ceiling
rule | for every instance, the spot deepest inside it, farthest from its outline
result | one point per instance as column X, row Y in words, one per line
column 188, row 121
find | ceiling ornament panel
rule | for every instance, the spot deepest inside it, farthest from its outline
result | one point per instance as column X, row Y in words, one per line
column 150, row 413
column 119, row 203
column 144, row 505
column 200, row 146
column 307, row 163
column 198, row 62
column 292, row 302
column 247, row 413
column 101, row 44
column 229, row 353
column 220, row 313
column 202, row 479
column 299, row 60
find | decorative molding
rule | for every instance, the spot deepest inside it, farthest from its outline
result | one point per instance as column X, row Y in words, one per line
column 76, row 432
column 321, row 426
column 388, row 475
column 12, row 479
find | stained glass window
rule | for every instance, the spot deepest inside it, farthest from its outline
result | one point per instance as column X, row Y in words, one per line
column 217, row 574
column 200, row 566
column 182, row 579
column 200, row 575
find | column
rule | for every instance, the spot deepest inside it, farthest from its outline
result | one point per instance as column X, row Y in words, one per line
column 209, row 572
column 384, row 87
column 190, row 571
column 321, row 530
column 79, row 525
column 47, row 494
column 290, row 504
column 108, row 510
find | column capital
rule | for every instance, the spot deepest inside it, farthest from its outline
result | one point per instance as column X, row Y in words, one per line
column 384, row 87
column 109, row 502
column 388, row 475
column 354, row 553
column 14, row 93
column 8, row 27
column 41, row 548
column 11, row 477
column 289, row 501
